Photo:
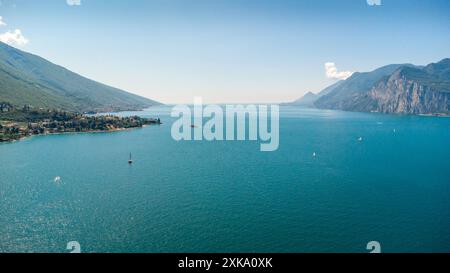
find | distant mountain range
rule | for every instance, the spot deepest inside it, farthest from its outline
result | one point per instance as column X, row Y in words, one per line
column 397, row 88
column 309, row 99
column 27, row 79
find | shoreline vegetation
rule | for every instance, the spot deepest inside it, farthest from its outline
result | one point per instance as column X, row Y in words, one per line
column 19, row 123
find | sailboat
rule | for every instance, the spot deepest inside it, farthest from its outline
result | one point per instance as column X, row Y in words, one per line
column 130, row 161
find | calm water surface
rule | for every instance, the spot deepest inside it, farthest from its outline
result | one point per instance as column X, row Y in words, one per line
column 392, row 187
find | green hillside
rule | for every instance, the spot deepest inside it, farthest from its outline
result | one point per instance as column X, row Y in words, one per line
column 27, row 79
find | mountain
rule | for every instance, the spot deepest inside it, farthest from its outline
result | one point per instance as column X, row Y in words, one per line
column 405, row 89
column 309, row 99
column 342, row 97
column 27, row 79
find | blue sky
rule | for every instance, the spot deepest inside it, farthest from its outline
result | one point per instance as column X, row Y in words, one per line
column 228, row 51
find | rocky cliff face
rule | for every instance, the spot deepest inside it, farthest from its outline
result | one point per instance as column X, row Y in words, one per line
column 401, row 95
column 403, row 89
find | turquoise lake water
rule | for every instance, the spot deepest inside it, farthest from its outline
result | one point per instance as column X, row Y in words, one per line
column 392, row 187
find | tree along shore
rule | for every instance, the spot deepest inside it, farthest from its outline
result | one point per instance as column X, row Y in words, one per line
column 18, row 123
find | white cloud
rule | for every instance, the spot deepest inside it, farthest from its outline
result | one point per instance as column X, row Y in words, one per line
column 332, row 72
column 374, row 2
column 73, row 2
column 2, row 23
column 14, row 38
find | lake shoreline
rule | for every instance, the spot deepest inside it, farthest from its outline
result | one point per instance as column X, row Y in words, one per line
column 74, row 133
column 19, row 124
